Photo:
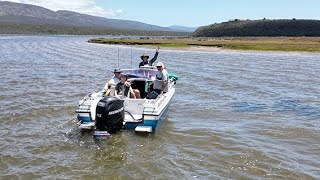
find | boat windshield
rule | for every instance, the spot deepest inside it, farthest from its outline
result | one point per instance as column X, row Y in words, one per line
column 140, row 73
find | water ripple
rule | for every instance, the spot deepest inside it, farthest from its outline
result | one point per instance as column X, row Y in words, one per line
column 244, row 115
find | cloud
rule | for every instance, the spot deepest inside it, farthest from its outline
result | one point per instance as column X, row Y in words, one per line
column 81, row 6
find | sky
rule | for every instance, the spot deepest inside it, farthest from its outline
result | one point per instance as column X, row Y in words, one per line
column 192, row 13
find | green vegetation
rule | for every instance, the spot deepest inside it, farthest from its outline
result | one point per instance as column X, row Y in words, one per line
column 307, row 44
column 173, row 45
column 261, row 28
column 13, row 28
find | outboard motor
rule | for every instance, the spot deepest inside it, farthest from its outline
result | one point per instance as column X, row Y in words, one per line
column 109, row 115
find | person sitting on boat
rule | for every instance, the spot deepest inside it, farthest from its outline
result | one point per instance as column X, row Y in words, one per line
column 160, row 84
column 145, row 59
column 124, row 87
column 114, row 80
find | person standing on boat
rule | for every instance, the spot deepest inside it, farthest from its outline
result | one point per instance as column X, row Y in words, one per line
column 160, row 84
column 114, row 80
column 145, row 59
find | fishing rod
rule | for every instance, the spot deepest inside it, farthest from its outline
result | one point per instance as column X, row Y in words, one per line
column 131, row 56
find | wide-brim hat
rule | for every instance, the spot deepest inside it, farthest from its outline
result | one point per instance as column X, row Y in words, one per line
column 144, row 55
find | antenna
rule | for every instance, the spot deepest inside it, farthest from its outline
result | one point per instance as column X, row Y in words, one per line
column 118, row 57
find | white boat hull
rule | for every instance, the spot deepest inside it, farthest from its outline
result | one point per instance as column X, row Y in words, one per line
column 142, row 115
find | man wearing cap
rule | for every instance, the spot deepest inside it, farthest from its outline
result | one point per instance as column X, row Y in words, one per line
column 160, row 84
column 114, row 80
column 145, row 58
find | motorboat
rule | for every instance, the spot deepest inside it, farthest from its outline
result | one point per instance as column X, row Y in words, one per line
column 104, row 114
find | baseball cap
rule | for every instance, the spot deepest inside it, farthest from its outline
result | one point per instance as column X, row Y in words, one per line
column 117, row 70
column 160, row 64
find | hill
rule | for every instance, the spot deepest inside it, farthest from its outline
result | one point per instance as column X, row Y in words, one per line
column 42, row 29
column 26, row 16
column 183, row 28
column 257, row 28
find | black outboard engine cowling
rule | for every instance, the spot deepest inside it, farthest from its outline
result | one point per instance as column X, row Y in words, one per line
column 110, row 114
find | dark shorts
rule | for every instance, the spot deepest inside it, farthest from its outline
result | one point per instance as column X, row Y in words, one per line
column 157, row 91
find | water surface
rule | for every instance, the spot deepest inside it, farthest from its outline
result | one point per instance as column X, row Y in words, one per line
column 235, row 115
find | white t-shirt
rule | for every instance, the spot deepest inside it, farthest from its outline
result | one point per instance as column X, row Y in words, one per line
column 161, row 76
column 113, row 81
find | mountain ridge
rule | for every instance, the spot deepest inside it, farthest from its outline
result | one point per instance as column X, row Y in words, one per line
column 183, row 28
column 32, row 14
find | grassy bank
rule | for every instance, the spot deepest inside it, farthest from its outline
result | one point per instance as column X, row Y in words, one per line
column 306, row 44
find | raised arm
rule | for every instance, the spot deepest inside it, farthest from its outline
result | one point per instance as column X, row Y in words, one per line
column 154, row 57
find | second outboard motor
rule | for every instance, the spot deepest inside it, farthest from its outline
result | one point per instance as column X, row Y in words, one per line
column 110, row 114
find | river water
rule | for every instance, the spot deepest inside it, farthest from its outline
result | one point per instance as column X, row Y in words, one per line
column 235, row 115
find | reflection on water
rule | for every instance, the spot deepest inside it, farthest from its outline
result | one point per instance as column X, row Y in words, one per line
column 235, row 115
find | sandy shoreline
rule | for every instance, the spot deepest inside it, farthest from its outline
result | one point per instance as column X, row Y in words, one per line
column 190, row 48
column 213, row 49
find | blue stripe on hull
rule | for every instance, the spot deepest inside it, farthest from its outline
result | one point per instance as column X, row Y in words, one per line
column 162, row 117
column 84, row 119
column 153, row 123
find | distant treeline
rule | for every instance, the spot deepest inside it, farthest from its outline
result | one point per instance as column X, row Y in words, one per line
column 11, row 28
column 258, row 28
